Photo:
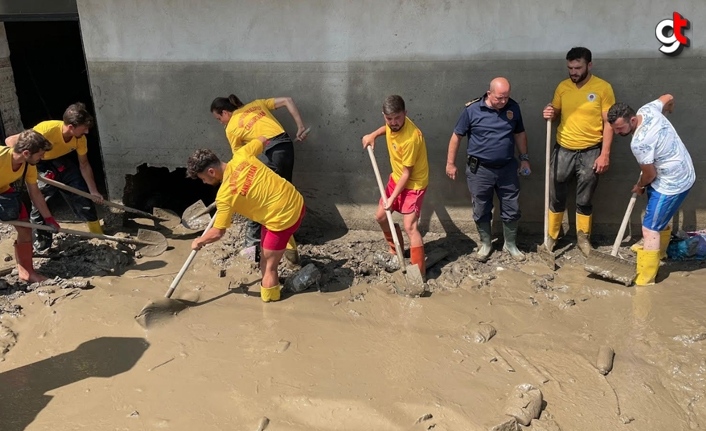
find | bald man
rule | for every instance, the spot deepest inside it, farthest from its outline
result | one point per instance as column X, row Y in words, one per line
column 493, row 125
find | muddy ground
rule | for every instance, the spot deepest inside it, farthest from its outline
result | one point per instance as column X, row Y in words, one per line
column 348, row 353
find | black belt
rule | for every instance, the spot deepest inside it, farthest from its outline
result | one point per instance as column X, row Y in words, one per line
column 494, row 165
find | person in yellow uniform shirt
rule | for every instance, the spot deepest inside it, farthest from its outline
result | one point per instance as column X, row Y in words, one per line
column 66, row 136
column 19, row 163
column 409, row 179
column 584, row 139
column 249, row 188
column 245, row 122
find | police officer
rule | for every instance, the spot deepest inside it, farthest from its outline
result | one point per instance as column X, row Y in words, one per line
column 493, row 124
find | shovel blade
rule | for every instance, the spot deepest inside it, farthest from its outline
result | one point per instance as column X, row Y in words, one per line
column 408, row 281
column 156, row 312
column 166, row 218
column 158, row 243
column 196, row 217
column 547, row 256
column 611, row 267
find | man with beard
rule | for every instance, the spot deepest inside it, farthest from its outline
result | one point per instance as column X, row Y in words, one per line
column 667, row 175
column 19, row 163
column 248, row 187
column 409, row 178
column 583, row 144
column 493, row 124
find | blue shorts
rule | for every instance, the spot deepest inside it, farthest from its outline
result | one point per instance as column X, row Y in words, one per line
column 661, row 208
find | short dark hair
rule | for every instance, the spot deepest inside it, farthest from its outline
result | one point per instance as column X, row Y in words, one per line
column 620, row 110
column 393, row 105
column 579, row 52
column 200, row 161
column 230, row 104
column 76, row 115
column 32, row 141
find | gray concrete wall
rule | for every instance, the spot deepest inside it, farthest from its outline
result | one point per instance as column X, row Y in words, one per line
column 9, row 106
column 155, row 67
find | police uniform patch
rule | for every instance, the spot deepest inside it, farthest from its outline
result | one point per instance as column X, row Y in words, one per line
column 473, row 101
column 591, row 97
column 510, row 115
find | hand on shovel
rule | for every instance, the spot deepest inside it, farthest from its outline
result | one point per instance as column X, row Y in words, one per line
column 51, row 222
column 97, row 198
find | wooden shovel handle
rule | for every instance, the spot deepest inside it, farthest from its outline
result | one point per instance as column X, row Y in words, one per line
column 78, row 233
column 184, row 267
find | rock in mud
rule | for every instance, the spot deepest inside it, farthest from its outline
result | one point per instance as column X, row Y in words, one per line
column 604, row 363
column 387, row 261
column 303, row 279
column 423, row 418
column 524, row 403
column 504, row 424
column 263, row 423
column 483, row 333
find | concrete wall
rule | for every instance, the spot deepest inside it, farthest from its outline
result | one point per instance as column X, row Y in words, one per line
column 155, row 67
column 9, row 106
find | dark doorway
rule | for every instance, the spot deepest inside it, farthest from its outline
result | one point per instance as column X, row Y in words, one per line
column 50, row 74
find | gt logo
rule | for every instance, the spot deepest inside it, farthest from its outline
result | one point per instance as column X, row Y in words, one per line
column 670, row 32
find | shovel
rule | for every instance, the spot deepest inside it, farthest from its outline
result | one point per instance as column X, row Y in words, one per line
column 165, row 217
column 610, row 266
column 408, row 279
column 545, row 254
column 162, row 308
column 153, row 243
column 195, row 217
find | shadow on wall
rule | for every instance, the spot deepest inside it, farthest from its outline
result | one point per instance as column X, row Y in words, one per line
column 23, row 389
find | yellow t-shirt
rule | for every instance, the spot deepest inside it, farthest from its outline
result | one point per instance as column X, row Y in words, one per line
column 52, row 131
column 253, row 190
column 582, row 111
column 8, row 176
column 252, row 121
column 407, row 148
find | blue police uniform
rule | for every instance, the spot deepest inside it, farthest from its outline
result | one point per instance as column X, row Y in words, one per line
column 491, row 164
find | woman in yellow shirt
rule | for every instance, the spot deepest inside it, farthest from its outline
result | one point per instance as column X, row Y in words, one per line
column 245, row 122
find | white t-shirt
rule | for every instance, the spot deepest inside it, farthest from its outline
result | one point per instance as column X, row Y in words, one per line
column 656, row 142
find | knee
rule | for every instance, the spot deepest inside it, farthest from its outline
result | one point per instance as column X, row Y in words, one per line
column 381, row 217
column 411, row 226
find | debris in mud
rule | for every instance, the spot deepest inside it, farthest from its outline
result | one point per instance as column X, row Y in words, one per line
column 134, row 414
column 524, row 403
column 263, row 423
column 604, row 363
column 7, row 340
column 482, row 333
column 423, row 418
column 303, row 279
column 282, row 346
column 690, row 339
column 495, row 356
column 75, row 257
column 505, row 424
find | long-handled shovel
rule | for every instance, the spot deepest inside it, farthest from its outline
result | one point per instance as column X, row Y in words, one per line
column 408, row 279
column 159, row 309
column 543, row 250
column 165, row 217
column 153, row 243
column 610, row 266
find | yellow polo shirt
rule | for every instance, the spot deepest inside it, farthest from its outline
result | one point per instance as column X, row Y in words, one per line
column 582, row 111
column 252, row 121
column 408, row 148
column 52, row 131
column 8, row 176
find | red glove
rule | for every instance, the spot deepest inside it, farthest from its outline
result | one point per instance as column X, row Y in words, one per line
column 50, row 221
column 50, row 175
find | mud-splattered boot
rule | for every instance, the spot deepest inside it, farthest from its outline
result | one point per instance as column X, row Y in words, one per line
column 647, row 267
column 486, row 239
column 583, row 233
column 510, row 235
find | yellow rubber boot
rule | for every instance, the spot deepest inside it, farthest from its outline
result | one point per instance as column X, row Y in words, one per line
column 555, row 220
column 270, row 294
column 647, row 267
column 664, row 237
column 95, row 227
column 583, row 232
column 292, row 253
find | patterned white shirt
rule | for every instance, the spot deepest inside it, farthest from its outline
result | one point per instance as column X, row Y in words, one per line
column 656, row 142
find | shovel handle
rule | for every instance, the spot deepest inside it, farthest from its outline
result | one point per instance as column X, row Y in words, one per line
column 547, row 162
column 624, row 224
column 398, row 248
column 204, row 211
column 184, row 267
column 108, row 203
column 78, row 233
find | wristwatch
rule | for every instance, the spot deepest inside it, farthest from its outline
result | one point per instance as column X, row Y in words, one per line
column 524, row 157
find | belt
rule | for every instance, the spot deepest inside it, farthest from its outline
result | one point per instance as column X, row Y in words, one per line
column 583, row 150
column 494, row 165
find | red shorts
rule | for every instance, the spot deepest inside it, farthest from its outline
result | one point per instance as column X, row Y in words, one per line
column 409, row 201
column 276, row 241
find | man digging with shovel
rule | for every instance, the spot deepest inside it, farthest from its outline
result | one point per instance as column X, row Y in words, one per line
column 66, row 136
column 19, row 163
column 667, row 175
column 248, row 187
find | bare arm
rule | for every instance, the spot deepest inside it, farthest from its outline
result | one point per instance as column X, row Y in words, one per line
column 667, row 103
column 521, row 142
column 406, row 173
column 294, row 112
column 38, row 200
column 369, row 139
column 454, row 143
column 11, row 141
column 648, row 174
column 87, row 174
column 211, row 236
